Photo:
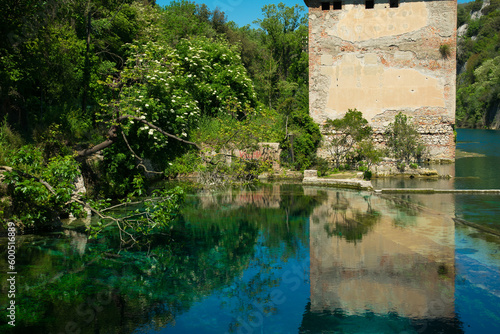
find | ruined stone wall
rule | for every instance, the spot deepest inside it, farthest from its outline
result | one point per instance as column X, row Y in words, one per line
column 269, row 152
column 386, row 60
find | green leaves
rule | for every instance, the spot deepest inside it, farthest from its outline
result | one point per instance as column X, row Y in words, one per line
column 40, row 191
column 215, row 75
column 285, row 59
column 404, row 141
column 353, row 124
column 168, row 90
column 478, row 50
column 154, row 215
column 163, row 207
column 301, row 139
column 173, row 88
column 348, row 139
column 481, row 96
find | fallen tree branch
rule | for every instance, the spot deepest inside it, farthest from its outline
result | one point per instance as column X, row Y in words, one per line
column 113, row 220
column 99, row 147
column 160, row 130
column 112, row 136
column 120, row 205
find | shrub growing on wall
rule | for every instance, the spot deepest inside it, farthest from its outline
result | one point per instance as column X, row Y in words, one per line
column 404, row 141
column 345, row 134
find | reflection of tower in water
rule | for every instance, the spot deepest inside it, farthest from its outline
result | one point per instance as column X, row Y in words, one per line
column 373, row 255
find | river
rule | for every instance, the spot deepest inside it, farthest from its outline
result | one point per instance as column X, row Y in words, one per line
column 282, row 258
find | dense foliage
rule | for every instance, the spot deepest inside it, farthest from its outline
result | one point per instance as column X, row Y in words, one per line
column 350, row 143
column 478, row 82
column 404, row 141
column 345, row 135
column 122, row 91
column 41, row 190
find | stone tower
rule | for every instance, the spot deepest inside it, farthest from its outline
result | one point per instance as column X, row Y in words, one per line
column 383, row 57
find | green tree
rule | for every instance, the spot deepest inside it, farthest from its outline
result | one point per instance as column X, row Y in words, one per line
column 161, row 95
column 476, row 103
column 55, row 52
column 284, row 35
column 184, row 19
column 132, row 81
column 302, row 136
column 344, row 136
column 41, row 191
column 404, row 141
column 371, row 155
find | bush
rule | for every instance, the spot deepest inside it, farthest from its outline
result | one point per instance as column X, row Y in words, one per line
column 41, row 192
column 369, row 153
column 116, row 171
column 322, row 166
column 474, row 6
column 404, row 141
column 462, row 16
column 221, row 137
column 346, row 134
column 445, row 50
column 9, row 141
column 473, row 28
column 301, row 141
column 53, row 142
column 183, row 165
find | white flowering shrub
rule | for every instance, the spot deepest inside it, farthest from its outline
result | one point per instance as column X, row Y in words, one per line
column 153, row 88
column 171, row 89
column 216, row 76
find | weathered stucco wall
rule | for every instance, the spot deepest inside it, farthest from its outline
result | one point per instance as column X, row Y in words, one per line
column 385, row 60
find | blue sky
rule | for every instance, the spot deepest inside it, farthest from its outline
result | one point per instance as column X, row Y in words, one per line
column 244, row 12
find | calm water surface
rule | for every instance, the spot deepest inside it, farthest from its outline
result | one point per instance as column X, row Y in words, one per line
column 480, row 170
column 276, row 259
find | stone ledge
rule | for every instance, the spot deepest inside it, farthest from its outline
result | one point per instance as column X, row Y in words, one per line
column 388, row 168
column 281, row 176
column 311, row 178
column 436, row 191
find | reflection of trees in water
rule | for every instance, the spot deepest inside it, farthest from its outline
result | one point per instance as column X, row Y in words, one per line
column 280, row 212
column 348, row 222
column 282, row 227
column 250, row 300
column 353, row 229
column 406, row 212
column 105, row 290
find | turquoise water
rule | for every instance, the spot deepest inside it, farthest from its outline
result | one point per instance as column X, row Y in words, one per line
column 275, row 259
column 481, row 171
